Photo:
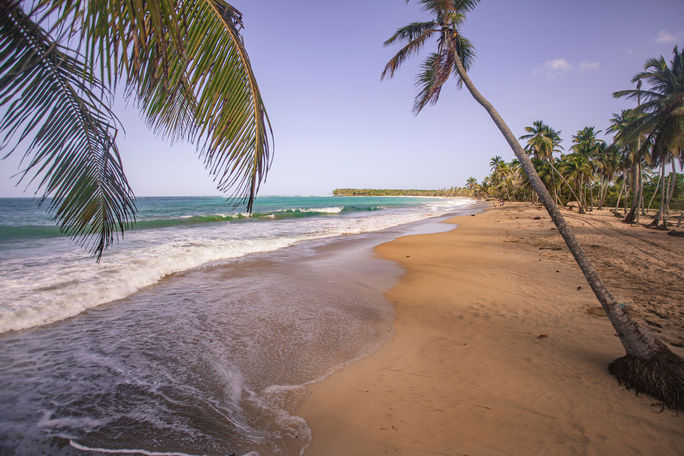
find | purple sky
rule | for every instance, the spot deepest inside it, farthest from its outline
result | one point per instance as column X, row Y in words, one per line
column 336, row 124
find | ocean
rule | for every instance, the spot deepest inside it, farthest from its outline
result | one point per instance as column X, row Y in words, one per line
column 196, row 333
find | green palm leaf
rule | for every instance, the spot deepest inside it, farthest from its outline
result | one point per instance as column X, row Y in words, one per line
column 67, row 132
column 185, row 63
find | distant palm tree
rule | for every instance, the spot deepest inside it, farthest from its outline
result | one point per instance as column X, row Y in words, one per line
column 542, row 142
column 577, row 168
column 609, row 160
column 662, row 111
column 471, row 183
column 627, row 139
column 496, row 163
column 586, row 144
column 649, row 365
column 182, row 61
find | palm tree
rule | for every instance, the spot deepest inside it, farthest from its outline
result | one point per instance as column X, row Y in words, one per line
column 577, row 168
column 471, row 185
column 662, row 112
column 182, row 61
column 628, row 138
column 609, row 159
column 648, row 365
column 586, row 144
column 496, row 163
column 542, row 142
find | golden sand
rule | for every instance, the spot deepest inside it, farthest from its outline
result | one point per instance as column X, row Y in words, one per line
column 500, row 347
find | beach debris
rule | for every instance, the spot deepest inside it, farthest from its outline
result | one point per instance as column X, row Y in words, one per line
column 542, row 336
column 579, row 288
column 536, row 218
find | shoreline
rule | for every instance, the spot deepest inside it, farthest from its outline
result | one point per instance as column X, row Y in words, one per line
column 498, row 348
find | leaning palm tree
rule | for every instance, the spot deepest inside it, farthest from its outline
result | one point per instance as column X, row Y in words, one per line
column 183, row 62
column 661, row 115
column 649, row 365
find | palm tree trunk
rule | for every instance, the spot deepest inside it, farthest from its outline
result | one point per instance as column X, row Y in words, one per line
column 641, row 195
column 673, row 187
column 656, row 220
column 624, row 210
column 636, row 341
column 661, row 210
column 655, row 192
column 633, row 215
column 622, row 187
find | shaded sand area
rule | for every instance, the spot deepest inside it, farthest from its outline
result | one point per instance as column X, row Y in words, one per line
column 499, row 346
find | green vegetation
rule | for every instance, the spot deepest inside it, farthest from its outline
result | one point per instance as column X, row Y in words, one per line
column 453, row 191
column 601, row 180
column 183, row 63
column 649, row 365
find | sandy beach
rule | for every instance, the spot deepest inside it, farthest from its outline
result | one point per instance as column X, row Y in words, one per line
column 499, row 346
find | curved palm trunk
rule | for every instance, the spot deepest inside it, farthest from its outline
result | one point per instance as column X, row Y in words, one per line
column 636, row 341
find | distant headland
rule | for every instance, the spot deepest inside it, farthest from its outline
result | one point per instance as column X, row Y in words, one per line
column 453, row 191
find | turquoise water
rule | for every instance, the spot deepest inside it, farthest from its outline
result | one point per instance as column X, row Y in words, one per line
column 197, row 333
column 23, row 218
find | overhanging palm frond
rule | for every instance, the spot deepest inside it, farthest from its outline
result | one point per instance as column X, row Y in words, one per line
column 185, row 63
column 66, row 131
column 235, row 131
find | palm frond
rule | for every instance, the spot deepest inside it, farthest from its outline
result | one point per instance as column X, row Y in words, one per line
column 430, row 80
column 185, row 63
column 67, row 132
column 413, row 47
column 411, row 32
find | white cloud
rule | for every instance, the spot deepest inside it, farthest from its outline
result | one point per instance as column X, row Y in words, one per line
column 553, row 68
column 558, row 65
column 589, row 66
column 665, row 37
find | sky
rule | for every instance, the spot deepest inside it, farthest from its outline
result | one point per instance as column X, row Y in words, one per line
column 336, row 124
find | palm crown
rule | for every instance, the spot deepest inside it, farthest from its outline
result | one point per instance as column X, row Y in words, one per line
column 661, row 108
column 438, row 66
column 542, row 140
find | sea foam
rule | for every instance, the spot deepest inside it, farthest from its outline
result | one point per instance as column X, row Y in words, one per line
column 51, row 280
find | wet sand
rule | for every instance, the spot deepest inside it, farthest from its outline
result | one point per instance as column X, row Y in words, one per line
column 499, row 345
